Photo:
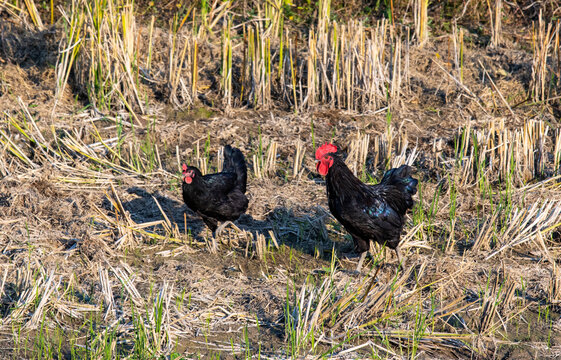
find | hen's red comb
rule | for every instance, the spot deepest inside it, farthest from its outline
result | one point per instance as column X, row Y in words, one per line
column 324, row 150
column 184, row 167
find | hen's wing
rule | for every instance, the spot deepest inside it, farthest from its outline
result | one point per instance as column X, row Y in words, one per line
column 228, row 206
column 219, row 197
column 220, row 184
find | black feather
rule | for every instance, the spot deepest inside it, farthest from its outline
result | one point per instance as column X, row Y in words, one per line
column 370, row 212
column 220, row 196
column 234, row 162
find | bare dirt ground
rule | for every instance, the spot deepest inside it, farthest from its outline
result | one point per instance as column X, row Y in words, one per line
column 100, row 257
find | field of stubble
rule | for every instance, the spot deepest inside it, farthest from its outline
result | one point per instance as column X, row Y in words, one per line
column 102, row 101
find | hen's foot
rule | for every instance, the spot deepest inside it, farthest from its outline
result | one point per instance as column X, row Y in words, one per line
column 220, row 229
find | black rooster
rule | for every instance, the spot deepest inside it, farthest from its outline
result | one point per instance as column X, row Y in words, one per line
column 368, row 212
column 220, row 196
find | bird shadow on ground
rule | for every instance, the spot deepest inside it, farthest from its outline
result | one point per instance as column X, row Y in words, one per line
column 303, row 230
column 144, row 209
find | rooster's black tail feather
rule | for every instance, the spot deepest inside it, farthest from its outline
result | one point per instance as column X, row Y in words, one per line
column 401, row 178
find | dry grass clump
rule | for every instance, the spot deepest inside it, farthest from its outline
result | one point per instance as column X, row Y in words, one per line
column 261, row 63
column 545, row 46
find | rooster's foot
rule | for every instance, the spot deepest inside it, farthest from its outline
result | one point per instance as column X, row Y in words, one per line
column 361, row 261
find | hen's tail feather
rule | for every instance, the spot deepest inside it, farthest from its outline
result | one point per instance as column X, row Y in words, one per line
column 401, row 178
column 234, row 161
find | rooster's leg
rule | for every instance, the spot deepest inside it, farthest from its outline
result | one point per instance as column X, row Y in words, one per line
column 398, row 253
column 359, row 266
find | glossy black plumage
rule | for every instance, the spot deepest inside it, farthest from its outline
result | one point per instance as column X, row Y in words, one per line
column 220, row 196
column 370, row 212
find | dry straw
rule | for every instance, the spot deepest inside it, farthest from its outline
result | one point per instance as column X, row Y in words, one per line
column 545, row 43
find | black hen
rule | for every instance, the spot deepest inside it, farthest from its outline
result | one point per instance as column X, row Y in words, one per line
column 368, row 212
column 220, row 196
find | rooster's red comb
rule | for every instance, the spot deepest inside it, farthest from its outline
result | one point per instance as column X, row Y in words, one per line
column 184, row 167
column 324, row 150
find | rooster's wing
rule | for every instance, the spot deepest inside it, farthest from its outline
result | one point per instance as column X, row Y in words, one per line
column 372, row 217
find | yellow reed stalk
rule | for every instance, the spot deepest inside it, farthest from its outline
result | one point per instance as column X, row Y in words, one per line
column 34, row 14
column 421, row 20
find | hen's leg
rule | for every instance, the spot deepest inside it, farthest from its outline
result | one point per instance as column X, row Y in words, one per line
column 222, row 227
column 210, row 222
